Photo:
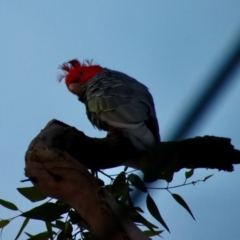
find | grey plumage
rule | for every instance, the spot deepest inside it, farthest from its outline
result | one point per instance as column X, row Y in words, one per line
column 114, row 99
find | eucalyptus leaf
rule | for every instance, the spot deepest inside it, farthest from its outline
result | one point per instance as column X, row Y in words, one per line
column 40, row 236
column 137, row 182
column 188, row 174
column 136, row 217
column 207, row 177
column 32, row 194
column 49, row 229
column 152, row 208
column 151, row 233
column 24, row 224
column 8, row 205
column 47, row 212
column 4, row 223
column 119, row 185
column 180, row 200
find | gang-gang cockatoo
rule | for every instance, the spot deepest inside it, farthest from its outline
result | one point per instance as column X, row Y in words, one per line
column 114, row 100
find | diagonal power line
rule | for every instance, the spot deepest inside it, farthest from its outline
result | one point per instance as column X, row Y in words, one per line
column 196, row 111
column 217, row 85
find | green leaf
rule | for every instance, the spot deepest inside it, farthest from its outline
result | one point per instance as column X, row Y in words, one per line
column 119, row 185
column 119, row 180
column 188, row 174
column 49, row 229
column 32, row 194
column 180, row 200
column 66, row 233
column 207, row 177
column 61, row 236
column 40, row 236
column 25, row 222
column 137, row 182
column 125, row 196
column 151, row 233
column 3, row 223
column 47, row 212
column 8, row 205
column 136, row 217
column 138, row 209
column 152, row 208
column 60, row 224
column 28, row 234
column 68, row 230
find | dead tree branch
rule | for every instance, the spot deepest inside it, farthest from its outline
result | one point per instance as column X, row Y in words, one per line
column 57, row 174
column 58, row 157
column 115, row 150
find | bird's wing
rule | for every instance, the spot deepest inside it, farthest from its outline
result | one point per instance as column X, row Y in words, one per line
column 121, row 102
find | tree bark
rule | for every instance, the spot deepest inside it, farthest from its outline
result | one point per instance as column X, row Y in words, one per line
column 115, row 150
column 57, row 174
column 58, row 157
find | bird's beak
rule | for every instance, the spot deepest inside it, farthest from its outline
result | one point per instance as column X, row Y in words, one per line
column 74, row 88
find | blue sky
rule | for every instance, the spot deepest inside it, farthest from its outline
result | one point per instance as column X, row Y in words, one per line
column 173, row 47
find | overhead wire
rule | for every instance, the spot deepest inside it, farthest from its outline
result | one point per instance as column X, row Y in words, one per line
column 196, row 111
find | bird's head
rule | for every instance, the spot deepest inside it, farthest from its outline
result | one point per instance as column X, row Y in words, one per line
column 77, row 73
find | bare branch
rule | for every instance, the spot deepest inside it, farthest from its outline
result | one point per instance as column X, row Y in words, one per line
column 58, row 175
column 115, row 150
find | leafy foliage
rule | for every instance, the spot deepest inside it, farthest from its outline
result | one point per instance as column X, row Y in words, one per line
column 47, row 212
column 32, row 194
column 62, row 222
column 180, row 200
column 152, row 207
column 8, row 205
